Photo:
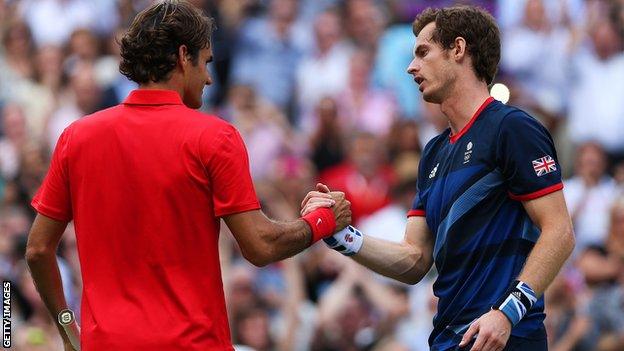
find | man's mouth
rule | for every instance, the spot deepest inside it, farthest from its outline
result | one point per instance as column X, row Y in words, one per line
column 419, row 81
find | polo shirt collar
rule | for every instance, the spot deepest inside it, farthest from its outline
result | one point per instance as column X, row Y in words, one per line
column 153, row 97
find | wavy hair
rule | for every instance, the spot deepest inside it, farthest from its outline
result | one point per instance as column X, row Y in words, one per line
column 475, row 25
column 149, row 49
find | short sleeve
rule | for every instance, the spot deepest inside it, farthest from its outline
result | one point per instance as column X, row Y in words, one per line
column 53, row 199
column 418, row 207
column 228, row 168
column 527, row 157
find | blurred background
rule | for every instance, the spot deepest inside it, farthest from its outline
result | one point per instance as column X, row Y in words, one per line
column 318, row 90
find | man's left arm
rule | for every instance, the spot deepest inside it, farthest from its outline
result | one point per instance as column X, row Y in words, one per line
column 43, row 242
column 527, row 157
column 555, row 244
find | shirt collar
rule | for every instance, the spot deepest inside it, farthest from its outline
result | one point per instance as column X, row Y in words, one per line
column 454, row 137
column 153, row 97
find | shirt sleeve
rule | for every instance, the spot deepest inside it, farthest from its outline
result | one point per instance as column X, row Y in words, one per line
column 527, row 157
column 228, row 168
column 418, row 207
column 53, row 199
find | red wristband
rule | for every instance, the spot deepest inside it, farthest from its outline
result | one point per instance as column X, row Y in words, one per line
column 322, row 223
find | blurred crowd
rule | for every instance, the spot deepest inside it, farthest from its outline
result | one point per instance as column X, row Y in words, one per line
column 318, row 90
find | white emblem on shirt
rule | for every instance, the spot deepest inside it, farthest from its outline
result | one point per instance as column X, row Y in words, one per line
column 468, row 152
column 433, row 171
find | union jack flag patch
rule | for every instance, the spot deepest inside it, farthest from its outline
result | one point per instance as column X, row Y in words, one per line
column 544, row 165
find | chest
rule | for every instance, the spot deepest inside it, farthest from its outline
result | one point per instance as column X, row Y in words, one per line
column 454, row 169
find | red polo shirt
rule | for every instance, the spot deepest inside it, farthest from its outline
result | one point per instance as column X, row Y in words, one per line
column 145, row 183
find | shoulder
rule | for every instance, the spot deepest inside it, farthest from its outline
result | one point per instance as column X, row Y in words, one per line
column 434, row 144
column 203, row 120
column 512, row 120
column 190, row 121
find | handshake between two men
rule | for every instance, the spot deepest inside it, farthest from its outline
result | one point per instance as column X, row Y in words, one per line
column 347, row 240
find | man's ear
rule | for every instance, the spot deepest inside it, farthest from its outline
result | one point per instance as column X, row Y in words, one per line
column 183, row 57
column 459, row 48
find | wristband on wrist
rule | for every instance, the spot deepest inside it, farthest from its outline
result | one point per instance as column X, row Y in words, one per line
column 516, row 301
column 347, row 241
column 321, row 222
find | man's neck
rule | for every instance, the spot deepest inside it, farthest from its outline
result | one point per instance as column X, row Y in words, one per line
column 462, row 104
column 169, row 85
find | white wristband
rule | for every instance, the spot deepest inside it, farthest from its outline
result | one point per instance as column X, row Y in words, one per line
column 347, row 241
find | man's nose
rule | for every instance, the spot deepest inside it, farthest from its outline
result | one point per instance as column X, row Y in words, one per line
column 413, row 67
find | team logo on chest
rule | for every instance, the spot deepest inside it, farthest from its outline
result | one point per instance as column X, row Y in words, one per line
column 434, row 171
column 468, row 152
column 544, row 165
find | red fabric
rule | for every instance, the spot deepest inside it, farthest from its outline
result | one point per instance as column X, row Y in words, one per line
column 455, row 137
column 537, row 194
column 419, row 213
column 366, row 195
column 321, row 222
column 145, row 183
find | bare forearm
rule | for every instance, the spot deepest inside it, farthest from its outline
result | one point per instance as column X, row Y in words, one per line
column 47, row 278
column 263, row 240
column 547, row 257
column 285, row 239
column 400, row 261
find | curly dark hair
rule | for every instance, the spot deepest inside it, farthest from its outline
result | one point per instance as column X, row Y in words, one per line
column 149, row 49
column 472, row 23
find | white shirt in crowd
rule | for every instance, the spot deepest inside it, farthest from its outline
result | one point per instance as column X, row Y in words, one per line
column 591, row 209
column 596, row 105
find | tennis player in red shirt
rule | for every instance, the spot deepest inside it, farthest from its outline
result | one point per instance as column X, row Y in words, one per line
column 146, row 183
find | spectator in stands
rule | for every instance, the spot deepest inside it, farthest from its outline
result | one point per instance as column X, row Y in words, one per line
column 597, row 89
column 263, row 127
column 327, row 141
column 615, row 239
column 323, row 72
column 13, row 141
column 537, row 49
column 361, row 106
column 53, row 21
column 364, row 23
column 364, row 176
column 81, row 98
column 590, row 194
column 269, row 51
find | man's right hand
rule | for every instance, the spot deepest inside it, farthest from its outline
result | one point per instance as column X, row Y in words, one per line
column 322, row 197
column 342, row 210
